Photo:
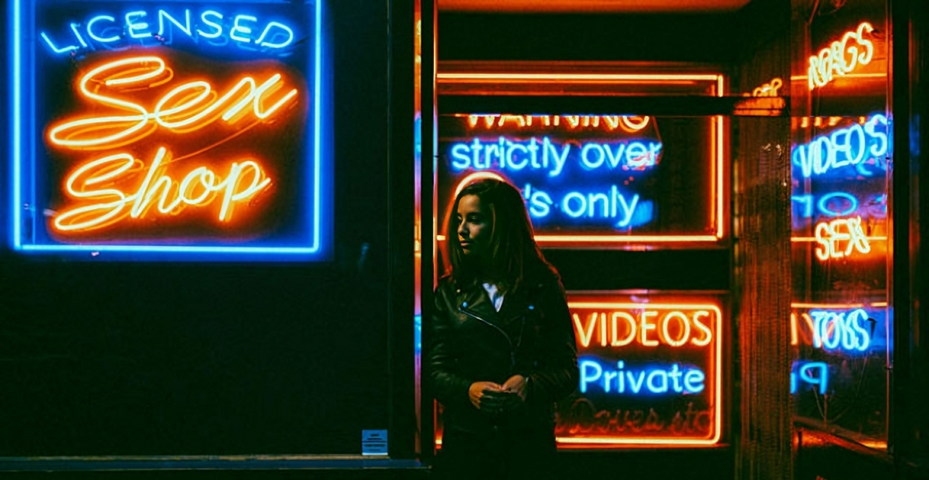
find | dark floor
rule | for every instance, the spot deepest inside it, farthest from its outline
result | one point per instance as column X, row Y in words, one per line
column 634, row 464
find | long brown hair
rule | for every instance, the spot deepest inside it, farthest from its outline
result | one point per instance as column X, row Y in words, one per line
column 512, row 249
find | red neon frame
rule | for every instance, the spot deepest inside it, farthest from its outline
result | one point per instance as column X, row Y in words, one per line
column 718, row 193
column 715, row 356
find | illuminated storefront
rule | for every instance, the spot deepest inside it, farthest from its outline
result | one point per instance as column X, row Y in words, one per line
column 652, row 367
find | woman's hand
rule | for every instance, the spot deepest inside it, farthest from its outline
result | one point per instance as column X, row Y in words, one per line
column 482, row 396
column 517, row 384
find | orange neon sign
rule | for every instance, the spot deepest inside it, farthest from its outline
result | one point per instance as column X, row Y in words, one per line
column 648, row 328
column 830, row 234
column 118, row 185
column 627, row 123
column 769, row 89
column 650, row 374
column 110, row 205
column 841, row 57
column 185, row 108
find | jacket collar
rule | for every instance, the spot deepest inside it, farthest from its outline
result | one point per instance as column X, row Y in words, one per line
column 472, row 299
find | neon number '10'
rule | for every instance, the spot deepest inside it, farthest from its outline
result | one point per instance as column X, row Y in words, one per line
column 830, row 204
column 627, row 123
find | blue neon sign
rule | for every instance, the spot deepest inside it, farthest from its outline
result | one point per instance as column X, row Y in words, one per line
column 812, row 376
column 836, row 329
column 243, row 27
column 654, row 379
column 549, row 172
column 862, row 147
column 168, row 140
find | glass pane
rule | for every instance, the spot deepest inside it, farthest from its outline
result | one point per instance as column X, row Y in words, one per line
column 595, row 180
column 840, row 317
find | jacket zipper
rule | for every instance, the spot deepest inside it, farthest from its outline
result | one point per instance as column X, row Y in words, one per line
column 507, row 337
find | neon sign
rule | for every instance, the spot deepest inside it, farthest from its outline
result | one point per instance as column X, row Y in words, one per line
column 841, row 57
column 839, row 204
column 112, row 203
column 173, row 151
column 660, row 380
column 590, row 178
column 769, row 89
column 107, row 30
column 650, row 373
column 828, row 236
column 855, row 146
column 505, row 154
column 838, row 348
column 628, row 123
column 191, row 106
column 814, row 375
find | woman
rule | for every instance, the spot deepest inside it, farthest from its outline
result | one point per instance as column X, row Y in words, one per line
column 503, row 348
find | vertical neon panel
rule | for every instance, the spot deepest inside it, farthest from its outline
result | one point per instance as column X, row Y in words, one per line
column 841, row 163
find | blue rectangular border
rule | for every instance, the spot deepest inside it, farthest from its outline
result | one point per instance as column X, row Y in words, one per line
column 314, row 251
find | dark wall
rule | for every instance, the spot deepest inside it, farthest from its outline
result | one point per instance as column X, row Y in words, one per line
column 709, row 38
column 210, row 358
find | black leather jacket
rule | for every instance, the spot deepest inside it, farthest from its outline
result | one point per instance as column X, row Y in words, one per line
column 532, row 335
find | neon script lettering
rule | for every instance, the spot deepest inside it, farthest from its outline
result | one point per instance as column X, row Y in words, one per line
column 649, row 328
column 833, row 329
column 655, row 380
column 849, row 230
column 834, row 204
column 185, row 108
column 769, row 89
column 851, row 146
column 108, row 202
column 119, row 186
column 105, row 30
column 841, row 57
column 679, row 425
